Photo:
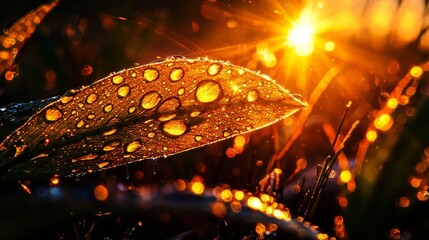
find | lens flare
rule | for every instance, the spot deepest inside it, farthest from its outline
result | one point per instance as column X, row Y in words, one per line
column 301, row 37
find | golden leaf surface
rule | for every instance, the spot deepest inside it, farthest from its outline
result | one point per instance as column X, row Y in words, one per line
column 146, row 112
column 14, row 37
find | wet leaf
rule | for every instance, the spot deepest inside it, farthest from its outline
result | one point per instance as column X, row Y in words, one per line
column 149, row 111
column 14, row 37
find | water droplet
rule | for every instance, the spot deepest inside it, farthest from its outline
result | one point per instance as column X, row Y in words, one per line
column 198, row 138
column 131, row 110
column 53, row 114
column 68, row 96
column 88, row 157
column 103, row 164
column 174, row 128
column 226, row 133
column 133, row 146
column 165, row 148
column 110, row 132
column 80, row 105
column 181, row 91
column 150, row 74
column 80, row 124
column 108, row 108
column 91, row 98
column 214, row 69
column 123, row 91
column 195, row 114
column 176, row 74
column 112, row 145
column 150, row 100
column 252, row 95
column 73, row 112
column 168, row 109
column 66, row 99
column 118, row 79
column 151, row 134
column 229, row 71
column 208, row 91
column 91, row 116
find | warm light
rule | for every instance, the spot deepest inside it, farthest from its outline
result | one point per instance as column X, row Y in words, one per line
column 236, row 206
column 371, row 135
column 55, row 181
column 226, row 195
column 415, row 182
column 230, row 152
column 254, row 203
column 265, row 197
column 218, row 209
column 345, row 176
column 383, row 122
column 392, row 103
column 301, row 163
column 239, row 141
column 322, row 236
column 239, row 195
column 260, row 229
column 343, row 202
column 101, row 193
column 404, row 202
column 197, row 188
column 329, row 46
column 180, row 185
column 416, row 72
column 301, row 37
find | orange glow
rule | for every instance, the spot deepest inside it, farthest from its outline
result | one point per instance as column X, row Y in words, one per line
column 9, row 75
column 301, row 163
column 180, row 185
column 239, row 195
column 371, row 135
column 301, row 37
column 383, row 122
column 230, row 152
column 239, row 141
column 415, row 182
column 197, row 188
column 236, row 206
column 101, row 193
column 218, row 209
column 343, row 202
column 265, row 197
column 254, row 203
column 392, row 103
column 404, row 202
column 345, row 176
column 322, row 236
column 260, row 229
column 55, row 181
column 416, row 72
column 226, row 195
column 26, row 189
column 329, row 46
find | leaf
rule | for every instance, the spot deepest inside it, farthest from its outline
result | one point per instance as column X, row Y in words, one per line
column 146, row 112
column 14, row 37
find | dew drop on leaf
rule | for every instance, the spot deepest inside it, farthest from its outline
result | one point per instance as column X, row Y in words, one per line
column 108, row 108
column 150, row 74
column 133, row 146
column 118, row 79
column 252, row 95
column 123, row 91
column 174, row 128
column 91, row 98
column 208, row 91
column 176, row 74
column 214, row 69
column 150, row 100
column 53, row 114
